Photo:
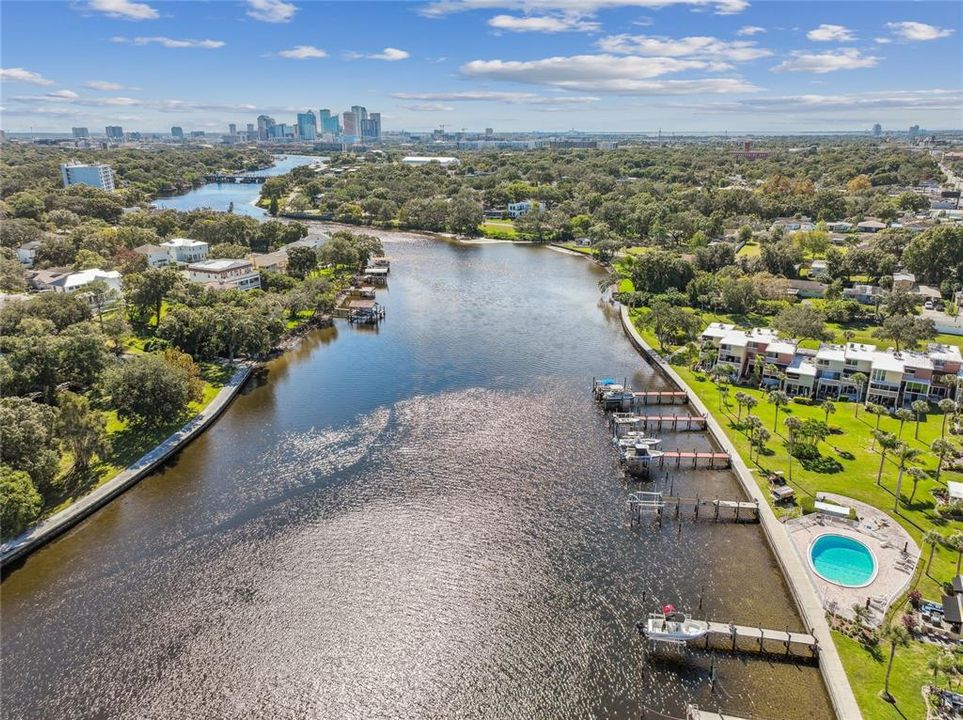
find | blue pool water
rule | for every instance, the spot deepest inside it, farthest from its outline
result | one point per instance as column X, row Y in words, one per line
column 842, row 560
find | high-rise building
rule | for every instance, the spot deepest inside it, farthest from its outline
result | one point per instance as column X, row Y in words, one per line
column 264, row 125
column 349, row 123
column 307, row 126
column 328, row 122
column 114, row 132
column 232, row 129
column 360, row 112
column 80, row 132
column 250, row 128
column 177, row 133
column 877, row 129
column 914, row 131
column 371, row 127
column 489, row 132
column 100, row 176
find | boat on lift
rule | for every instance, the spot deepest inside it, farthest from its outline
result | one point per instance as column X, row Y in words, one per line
column 670, row 625
column 630, row 439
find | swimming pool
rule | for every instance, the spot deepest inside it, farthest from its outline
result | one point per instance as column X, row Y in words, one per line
column 842, row 560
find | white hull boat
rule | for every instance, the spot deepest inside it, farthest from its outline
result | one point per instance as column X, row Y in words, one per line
column 674, row 627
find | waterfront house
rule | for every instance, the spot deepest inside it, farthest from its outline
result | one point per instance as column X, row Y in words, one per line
column 225, row 274
column 27, row 252
column 516, row 210
column 156, row 255
column 78, row 281
column 184, row 250
column 272, row 262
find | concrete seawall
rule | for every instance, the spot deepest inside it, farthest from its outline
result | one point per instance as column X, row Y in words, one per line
column 23, row 545
column 803, row 592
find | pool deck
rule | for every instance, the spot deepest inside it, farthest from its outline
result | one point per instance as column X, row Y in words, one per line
column 881, row 534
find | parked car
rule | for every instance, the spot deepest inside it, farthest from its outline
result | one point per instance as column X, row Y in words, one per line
column 928, row 305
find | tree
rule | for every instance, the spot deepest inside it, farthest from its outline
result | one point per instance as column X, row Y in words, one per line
column 941, row 448
column 905, row 455
column 859, row 184
column 897, row 636
column 887, row 443
column 801, row 322
column 936, row 255
column 931, row 538
column 301, row 261
column 777, row 399
column 147, row 390
column 465, row 213
column 147, row 291
column 101, row 295
column 793, row 424
column 947, row 406
column 671, row 323
column 28, row 439
column 228, row 250
column 741, row 398
column 82, row 430
column 919, row 408
column 955, row 541
column 903, row 415
column 12, row 279
column 916, row 474
column 20, row 503
column 760, row 436
column 859, row 380
column 900, row 302
column 878, row 411
column 828, row 409
column 906, row 331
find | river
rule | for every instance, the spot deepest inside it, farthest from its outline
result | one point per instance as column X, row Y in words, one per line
column 219, row 196
column 426, row 520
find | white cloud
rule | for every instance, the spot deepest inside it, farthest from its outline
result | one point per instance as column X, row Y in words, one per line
column 271, row 11
column 303, row 52
column 936, row 99
column 429, row 107
column 696, row 46
column 170, row 42
column 883, row 40
column 124, row 9
column 629, row 75
column 103, row 85
column 512, row 98
column 20, row 75
column 390, row 54
column 64, row 94
column 913, row 31
column 543, row 23
column 831, row 33
column 439, row 8
column 824, row 62
column 750, row 30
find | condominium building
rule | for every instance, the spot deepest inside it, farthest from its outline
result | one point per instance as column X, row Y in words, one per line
column 80, row 132
column 114, row 132
column 893, row 379
column 307, row 126
column 99, row 176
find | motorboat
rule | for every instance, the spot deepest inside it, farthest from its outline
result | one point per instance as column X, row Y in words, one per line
column 633, row 438
column 670, row 625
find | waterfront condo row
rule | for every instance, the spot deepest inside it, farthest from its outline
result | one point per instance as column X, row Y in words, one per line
column 892, row 378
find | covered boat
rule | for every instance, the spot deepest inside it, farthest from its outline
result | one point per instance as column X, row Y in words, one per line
column 670, row 625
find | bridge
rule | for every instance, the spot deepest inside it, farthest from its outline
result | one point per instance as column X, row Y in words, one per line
column 241, row 179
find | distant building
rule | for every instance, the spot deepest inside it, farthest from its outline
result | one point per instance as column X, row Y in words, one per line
column 198, row 134
column 232, row 129
column 185, row 250
column 225, row 274
column 307, row 126
column 114, row 132
column 80, row 132
column 516, row 210
column 877, row 129
column 747, row 153
column 328, row 122
column 914, row 131
column 264, row 125
column 349, row 124
column 371, row 127
column 177, row 133
column 99, row 176
column 870, row 226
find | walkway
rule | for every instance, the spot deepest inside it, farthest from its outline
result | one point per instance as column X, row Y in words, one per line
column 810, row 607
column 55, row 525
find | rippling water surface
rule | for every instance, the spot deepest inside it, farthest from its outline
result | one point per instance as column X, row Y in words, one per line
column 423, row 521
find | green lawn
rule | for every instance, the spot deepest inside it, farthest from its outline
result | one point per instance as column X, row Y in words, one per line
column 499, row 229
column 750, row 249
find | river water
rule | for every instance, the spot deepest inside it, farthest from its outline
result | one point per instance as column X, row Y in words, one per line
column 426, row 520
column 220, row 196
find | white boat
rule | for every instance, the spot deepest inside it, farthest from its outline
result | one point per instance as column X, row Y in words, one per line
column 674, row 626
column 631, row 439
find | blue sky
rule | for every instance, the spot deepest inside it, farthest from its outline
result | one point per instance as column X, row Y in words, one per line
column 514, row 65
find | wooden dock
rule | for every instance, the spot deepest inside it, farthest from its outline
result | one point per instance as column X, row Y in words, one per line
column 631, row 421
column 695, row 508
column 693, row 459
column 729, row 637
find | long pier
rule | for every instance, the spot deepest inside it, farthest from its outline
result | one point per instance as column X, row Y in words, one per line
column 729, row 637
column 631, row 421
column 695, row 508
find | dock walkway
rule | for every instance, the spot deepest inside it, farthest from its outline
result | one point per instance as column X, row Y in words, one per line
column 631, row 421
column 708, row 509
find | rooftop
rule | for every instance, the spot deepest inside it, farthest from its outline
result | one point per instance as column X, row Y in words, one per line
column 219, row 265
column 183, row 242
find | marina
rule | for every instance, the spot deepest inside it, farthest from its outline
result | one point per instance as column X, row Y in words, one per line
column 623, row 422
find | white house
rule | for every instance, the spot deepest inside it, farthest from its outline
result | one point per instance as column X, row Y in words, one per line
column 27, row 252
column 80, row 280
column 157, row 256
column 185, row 250
column 521, row 208
column 225, row 274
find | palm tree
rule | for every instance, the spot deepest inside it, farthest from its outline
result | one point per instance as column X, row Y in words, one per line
column 903, row 415
column 905, row 454
column 778, row 398
column 931, row 538
column 916, row 474
column 759, row 437
column 947, row 406
column 941, row 448
column 860, row 612
column 952, row 383
column 898, row 636
column 887, row 442
column 920, row 408
column 792, row 425
column 859, row 380
column 876, row 410
column 751, row 403
column 955, row 541
column 828, row 408
column 740, row 401
column 723, row 389
column 752, row 423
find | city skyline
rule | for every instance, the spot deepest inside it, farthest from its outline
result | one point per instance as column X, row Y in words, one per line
column 551, row 65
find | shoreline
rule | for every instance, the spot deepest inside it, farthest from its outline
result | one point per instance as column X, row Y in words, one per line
column 20, row 547
column 800, row 586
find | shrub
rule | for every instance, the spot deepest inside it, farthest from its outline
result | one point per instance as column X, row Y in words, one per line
column 802, row 400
